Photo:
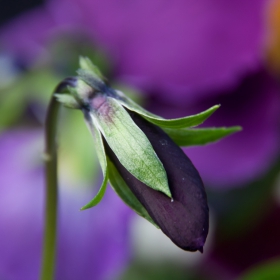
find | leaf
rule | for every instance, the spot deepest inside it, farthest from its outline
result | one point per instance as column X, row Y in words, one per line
column 67, row 100
column 103, row 162
column 189, row 121
column 266, row 270
column 99, row 195
column 99, row 146
column 124, row 192
column 86, row 64
column 132, row 106
column 129, row 143
column 91, row 79
column 199, row 136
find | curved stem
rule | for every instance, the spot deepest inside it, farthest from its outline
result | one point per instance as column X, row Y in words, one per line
column 49, row 245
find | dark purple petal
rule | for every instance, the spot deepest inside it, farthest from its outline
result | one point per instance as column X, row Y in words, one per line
column 184, row 220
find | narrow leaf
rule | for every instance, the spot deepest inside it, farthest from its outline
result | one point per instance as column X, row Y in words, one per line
column 124, row 192
column 129, row 143
column 189, row 121
column 98, row 141
column 132, row 106
column 199, row 136
column 86, row 64
column 99, row 195
column 92, row 80
column 103, row 162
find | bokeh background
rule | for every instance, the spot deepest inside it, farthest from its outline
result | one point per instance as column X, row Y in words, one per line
column 175, row 58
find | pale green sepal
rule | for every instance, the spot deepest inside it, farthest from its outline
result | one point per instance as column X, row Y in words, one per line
column 199, row 136
column 124, row 192
column 132, row 106
column 103, row 162
column 86, row 64
column 67, row 100
column 99, row 146
column 99, row 195
column 81, row 91
column 130, row 144
column 189, row 121
column 91, row 79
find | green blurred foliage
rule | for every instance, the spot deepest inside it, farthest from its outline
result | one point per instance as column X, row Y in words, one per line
column 269, row 270
column 162, row 271
column 241, row 208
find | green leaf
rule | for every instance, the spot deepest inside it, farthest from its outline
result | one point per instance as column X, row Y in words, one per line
column 86, row 64
column 99, row 146
column 124, row 192
column 67, row 100
column 129, row 143
column 189, row 121
column 99, row 195
column 267, row 270
column 199, row 136
column 132, row 106
column 91, row 79
column 103, row 162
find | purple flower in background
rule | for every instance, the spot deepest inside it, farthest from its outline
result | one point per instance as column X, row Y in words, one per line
column 180, row 49
column 184, row 54
column 255, row 105
column 91, row 244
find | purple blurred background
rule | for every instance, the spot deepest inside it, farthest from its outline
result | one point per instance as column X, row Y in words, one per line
column 181, row 57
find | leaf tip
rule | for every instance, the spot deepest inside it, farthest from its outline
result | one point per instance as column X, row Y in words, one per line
column 216, row 107
column 85, row 207
column 238, row 128
column 234, row 129
column 168, row 193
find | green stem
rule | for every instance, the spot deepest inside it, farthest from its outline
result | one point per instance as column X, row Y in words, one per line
column 49, row 246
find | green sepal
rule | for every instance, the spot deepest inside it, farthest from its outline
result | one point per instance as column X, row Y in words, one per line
column 91, row 79
column 130, row 144
column 132, row 106
column 199, row 136
column 189, row 121
column 98, row 197
column 67, row 100
column 86, row 64
column 124, row 192
column 103, row 162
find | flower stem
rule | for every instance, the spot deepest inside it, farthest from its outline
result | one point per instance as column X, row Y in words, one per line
column 49, row 245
